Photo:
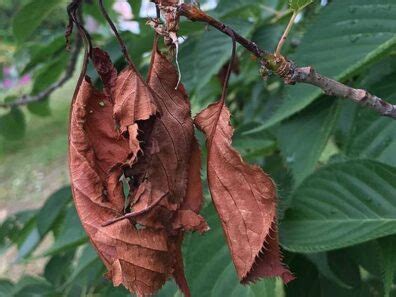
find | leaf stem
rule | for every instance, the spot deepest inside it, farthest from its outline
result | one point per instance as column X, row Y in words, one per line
column 115, row 31
column 285, row 34
column 135, row 214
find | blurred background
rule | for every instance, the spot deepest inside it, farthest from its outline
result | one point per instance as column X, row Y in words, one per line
column 334, row 162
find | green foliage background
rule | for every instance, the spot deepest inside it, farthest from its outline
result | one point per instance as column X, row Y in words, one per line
column 334, row 162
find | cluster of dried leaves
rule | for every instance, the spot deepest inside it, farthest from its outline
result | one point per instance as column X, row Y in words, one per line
column 135, row 173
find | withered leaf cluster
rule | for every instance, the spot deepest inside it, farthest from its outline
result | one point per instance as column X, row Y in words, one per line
column 135, row 168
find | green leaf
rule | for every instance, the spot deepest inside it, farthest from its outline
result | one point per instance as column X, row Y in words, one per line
column 28, row 222
column 228, row 6
column 29, row 286
column 29, row 244
column 40, row 108
column 88, row 258
column 186, row 52
column 205, row 96
column 11, row 228
column 345, row 268
column 169, row 290
column 213, row 50
column 31, row 15
column 275, row 167
column 358, row 32
column 135, row 5
column 6, row 287
column 110, row 291
column 27, row 238
column 388, row 261
column 34, row 230
column 71, row 234
column 378, row 259
column 209, row 268
column 254, row 145
column 138, row 43
column 322, row 264
column 341, row 205
column 188, row 28
column 373, row 136
column 93, row 9
column 367, row 256
column 49, row 73
column 59, row 268
column 13, row 124
column 88, row 270
column 267, row 36
column 364, row 289
column 52, row 208
column 297, row 5
column 310, row 283
column 44, row 77
column 41, row 53
column 307, row 282
column 303, row 138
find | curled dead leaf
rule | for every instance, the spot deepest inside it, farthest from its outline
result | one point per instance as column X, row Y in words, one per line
column 96, row 152
column 133, row 102
column 245, row 199
column 142, row 132
column 169, row 30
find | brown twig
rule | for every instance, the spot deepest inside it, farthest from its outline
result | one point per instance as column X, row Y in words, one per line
column 195, row 14
column 223, row 95
column 289, row 72
column 115, row 31
column 26, row 99
column 132, row 215
column 229, row 71
column 75, row 18
column 331, row 87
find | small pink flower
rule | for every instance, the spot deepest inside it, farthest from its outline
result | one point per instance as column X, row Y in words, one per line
column 7, row 71
column 8, row 83
column 124, row 9
column 25, row 80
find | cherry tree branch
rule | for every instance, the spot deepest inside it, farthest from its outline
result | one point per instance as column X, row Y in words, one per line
column 332, row 87
column 193, row 13
column 277, row 63
column 26, row 99
column 289, row 72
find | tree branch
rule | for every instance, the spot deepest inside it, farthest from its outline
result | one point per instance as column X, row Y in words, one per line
column 26, row 99
column 195, row 14
column 288, row 71
column 331, row 87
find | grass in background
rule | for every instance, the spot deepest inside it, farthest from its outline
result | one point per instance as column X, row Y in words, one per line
column 35, row 166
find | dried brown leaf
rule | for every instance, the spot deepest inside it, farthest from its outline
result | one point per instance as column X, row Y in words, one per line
column 105, row 69
column 245, row 199
column 169, row 149
column 172, row 163
column 147, row 135
column 133, row 102
column 96, row 152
